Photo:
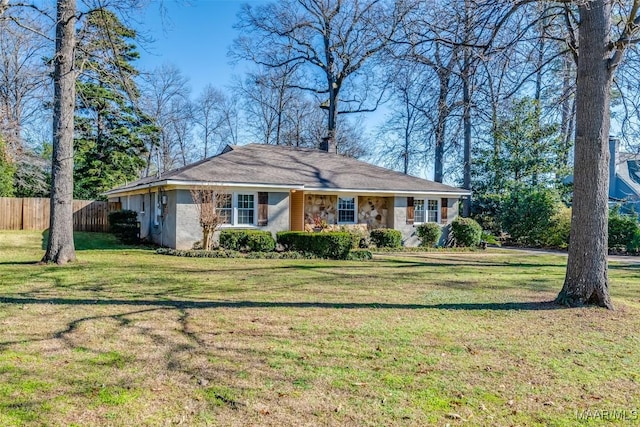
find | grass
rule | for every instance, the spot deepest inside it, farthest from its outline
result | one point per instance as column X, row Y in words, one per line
column 126, row 337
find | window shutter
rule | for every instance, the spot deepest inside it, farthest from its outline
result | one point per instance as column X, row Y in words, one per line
column 444, row 210
column 263, row 208
column 410, row 210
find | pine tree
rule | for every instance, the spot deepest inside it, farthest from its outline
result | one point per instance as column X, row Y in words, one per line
column 110, row 130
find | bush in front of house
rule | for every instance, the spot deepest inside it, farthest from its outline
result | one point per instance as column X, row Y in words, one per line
column 247, row 240
column 466, row 232
column 260, row 241
column 359, row 236
column 386, row 238
column 231, row 239
column 333, row 245
column 124, row 225
column 624, row 231
column 429, row 234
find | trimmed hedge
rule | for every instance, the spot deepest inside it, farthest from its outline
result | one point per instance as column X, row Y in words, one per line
column 386, row 238
column 198, row 253
column 124, row 225
column 466, row 232
column 247, row 240
column 429, row 234
column 333, row 245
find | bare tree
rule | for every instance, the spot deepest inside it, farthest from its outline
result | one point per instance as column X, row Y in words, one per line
column 228, row 132
column 180, row 129
column 23, row 77
column 165, row 89
column 405, row 132
column 213, row 206
column 206, row 114
column 266, row 99
column 333, row 42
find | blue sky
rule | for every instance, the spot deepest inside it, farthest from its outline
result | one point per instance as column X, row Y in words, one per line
column 195, row 36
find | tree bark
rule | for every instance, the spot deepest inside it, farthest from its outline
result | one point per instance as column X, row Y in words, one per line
column 466, row 101
column 60, row 247
column 441, row 124
column 586, row 280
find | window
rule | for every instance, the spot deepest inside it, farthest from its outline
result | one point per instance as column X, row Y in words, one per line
column 346, row 210
column 246, row 209
column 418, row 211
column 237, row 209
column 225, row 208
column 432, row 210
column 425, row 210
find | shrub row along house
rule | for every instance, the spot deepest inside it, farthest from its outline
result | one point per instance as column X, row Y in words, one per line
column 279, row 188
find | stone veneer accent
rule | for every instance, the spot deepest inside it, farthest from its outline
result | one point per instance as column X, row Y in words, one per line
column 373, row 211
column 320, row 206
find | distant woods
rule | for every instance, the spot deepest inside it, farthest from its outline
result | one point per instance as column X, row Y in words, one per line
column 469, row 92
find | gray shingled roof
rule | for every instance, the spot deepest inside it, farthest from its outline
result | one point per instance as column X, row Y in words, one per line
column 296, row 167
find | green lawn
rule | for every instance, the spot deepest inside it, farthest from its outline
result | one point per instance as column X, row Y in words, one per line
column 127, row 337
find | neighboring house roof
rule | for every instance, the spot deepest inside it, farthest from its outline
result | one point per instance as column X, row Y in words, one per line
column 289, row 167
column 627, row 186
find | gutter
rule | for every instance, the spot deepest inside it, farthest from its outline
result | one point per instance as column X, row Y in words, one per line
column 298, row 187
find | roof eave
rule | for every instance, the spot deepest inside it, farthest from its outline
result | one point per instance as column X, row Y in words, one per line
column 185, row 184
column 456, row 192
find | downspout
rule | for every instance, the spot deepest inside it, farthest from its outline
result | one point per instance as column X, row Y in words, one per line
column 150, row 222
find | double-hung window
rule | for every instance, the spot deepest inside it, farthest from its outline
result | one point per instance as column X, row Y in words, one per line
column 237, row 209
column 425, row 210
column 245, row 209
column 346, row 210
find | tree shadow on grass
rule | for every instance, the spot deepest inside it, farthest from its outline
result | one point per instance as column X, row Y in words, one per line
column 186, row 304
column 88, row 240
column 461, row 262
column 624, row 266
column 20, row 262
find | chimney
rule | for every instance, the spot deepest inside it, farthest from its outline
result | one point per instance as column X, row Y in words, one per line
column 328, row 144
column 614, row 151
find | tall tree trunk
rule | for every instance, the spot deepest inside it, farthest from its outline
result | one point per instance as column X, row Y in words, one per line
column 586, row 280
column 568, row 110
column 441, row 124
column 60, row 248
column 466, row 101
column 332, row 120
column 407, row 142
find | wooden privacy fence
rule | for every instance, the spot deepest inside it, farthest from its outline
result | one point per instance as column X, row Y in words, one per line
column 33, row 214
